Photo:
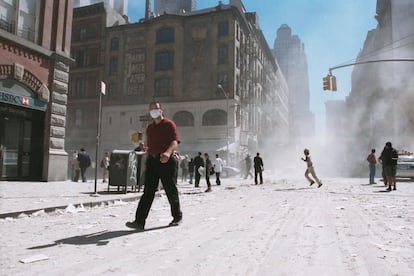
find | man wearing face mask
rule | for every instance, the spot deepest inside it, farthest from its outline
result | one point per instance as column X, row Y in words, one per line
column 162, row 142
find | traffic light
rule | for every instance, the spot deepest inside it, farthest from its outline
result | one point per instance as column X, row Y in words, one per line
column 333, row 83
column 327, row 82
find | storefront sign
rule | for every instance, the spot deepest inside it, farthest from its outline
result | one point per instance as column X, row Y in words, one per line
column 22, row 101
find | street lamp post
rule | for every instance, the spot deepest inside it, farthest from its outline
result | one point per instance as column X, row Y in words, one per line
column 219, row 86
column 102, row 91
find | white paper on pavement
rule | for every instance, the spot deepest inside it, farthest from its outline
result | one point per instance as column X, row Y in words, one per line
column 34, row 258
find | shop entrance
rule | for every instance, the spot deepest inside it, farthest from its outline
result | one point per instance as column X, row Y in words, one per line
column 21, row 143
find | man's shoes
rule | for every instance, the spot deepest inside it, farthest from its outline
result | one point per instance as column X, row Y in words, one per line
column 319, row 185
column 208, row 190
column 135, row 225
column 395, row 188
column 312, row 182
column 175, row 222
column 389, row 189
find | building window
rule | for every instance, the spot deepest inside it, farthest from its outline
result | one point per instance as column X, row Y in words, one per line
column 164, row 61
column 80, row 58
column 223, row 28
column 113, row 66
column 114, row 43
column 165, row 35
column 78, row 117
column 20, row 17
column 237, row 57
column 79, row 88
column 82, row 34
column 215, row 117
column 163, row 87
column 183, row 118
column 222, row 54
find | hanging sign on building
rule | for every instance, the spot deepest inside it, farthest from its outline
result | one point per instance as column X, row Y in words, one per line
column 23, row 101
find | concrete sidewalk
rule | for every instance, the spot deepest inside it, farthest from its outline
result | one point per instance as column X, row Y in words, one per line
column 18, row 197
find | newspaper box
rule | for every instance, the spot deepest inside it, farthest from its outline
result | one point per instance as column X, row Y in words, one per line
column 126, row 170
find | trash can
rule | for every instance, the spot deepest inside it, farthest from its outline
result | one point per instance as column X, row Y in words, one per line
column 126, row 170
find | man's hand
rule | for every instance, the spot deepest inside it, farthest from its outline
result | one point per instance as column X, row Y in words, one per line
column 164, row 157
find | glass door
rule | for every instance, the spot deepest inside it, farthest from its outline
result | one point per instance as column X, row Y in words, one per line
column 10, row 133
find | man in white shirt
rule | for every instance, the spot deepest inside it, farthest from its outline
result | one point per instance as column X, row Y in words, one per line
column 218, row 168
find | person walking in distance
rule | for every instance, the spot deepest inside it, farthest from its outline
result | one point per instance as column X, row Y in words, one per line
column 75, row 166
column 84, row 163
column 209, row 166
column 372, row 161
column 191, row 170
column 389, row 157
column 248, row 164
column 184, row 168
column 258, row 168
column 161, row 163
column 384, row 178
column 105, row 166
column 218, row 168
column 310, row 169
column 198, row 162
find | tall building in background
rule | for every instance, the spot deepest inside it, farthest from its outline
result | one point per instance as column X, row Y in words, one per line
column 35, row 39
column 121, row 6
column 174, row 6
column 290, row 54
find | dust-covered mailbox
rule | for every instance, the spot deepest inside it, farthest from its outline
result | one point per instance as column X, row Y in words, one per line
column 126, row 169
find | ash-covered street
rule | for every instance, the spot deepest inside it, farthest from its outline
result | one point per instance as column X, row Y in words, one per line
column 283, row 227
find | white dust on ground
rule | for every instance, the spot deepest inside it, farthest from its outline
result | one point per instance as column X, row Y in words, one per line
column 283, row 227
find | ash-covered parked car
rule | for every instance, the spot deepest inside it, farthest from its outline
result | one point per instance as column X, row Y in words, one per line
column 229, row 172
column 405, row 166
column 226, row 172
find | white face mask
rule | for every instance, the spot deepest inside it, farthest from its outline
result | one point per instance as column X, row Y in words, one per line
column 155, row 113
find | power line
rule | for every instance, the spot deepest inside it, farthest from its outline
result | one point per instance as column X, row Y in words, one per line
column 378, row 51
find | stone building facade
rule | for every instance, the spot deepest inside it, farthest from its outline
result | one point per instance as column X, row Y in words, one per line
column 34, row 76
column 179, row 60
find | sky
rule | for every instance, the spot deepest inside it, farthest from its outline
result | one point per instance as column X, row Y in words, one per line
column 333, row 33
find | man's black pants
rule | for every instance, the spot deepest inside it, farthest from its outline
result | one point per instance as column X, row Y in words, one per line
column 167, row 172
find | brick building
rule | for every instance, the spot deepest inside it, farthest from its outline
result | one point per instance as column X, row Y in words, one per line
column 179, row 60
column 86, row 73
column 34, row 75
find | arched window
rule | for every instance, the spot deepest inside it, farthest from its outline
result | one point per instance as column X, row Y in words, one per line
column 215, row 117
column 183, row 118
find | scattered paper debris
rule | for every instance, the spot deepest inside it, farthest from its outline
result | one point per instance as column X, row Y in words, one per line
column 34, row 258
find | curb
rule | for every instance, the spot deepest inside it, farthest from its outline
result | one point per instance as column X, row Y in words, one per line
column 62, row 207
